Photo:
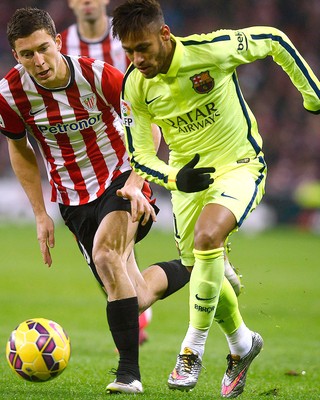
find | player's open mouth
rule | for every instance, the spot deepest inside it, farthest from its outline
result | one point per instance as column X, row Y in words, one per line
column 44, row 74
column 144, row 70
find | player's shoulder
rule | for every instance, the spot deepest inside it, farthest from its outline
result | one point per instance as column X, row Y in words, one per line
column 206, row 47
column 206, row 38
column 80, row 61
column 13, row 78
column 18, row 69
column 227, row 35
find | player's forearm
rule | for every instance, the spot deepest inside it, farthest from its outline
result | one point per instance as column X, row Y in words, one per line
column 155, row 170
column 135, row 179
column 141, row 146
column 25, row 167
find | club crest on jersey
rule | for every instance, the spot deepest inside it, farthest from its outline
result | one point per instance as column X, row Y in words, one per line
column 89, row 102
column 202, row 82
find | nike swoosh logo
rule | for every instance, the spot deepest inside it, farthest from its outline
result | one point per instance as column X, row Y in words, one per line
column 152, row 100
column 204, row 298
column 223, row 194
column 32, row 113
column 228, row 389
column 176, row 376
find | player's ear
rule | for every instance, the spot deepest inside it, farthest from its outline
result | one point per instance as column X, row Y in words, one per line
column 58, row 41
column 165, row 32
column 15, row 55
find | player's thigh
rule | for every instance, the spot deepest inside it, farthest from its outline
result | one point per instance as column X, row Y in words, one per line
column 240, row 190
column 213, row 226
column 186, row 210
column 116, row 233
column 82, row 223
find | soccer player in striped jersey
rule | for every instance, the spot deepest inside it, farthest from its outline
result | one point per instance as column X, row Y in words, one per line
column 71, row 106
column 91, row 35
column 216, row 170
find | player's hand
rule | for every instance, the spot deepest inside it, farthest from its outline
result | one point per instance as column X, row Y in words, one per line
column 141, row 209
column 45, row 235
column 190, row 179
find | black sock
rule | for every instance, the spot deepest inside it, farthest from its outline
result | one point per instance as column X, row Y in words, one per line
column 123, row 319
column 177, row 275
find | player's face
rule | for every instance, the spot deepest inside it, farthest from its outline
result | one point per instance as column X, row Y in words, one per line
column 151, row 51
column 40, row 55
column 88, row 10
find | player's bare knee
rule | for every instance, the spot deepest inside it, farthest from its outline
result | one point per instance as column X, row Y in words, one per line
column 204, row 240
column 104, row 259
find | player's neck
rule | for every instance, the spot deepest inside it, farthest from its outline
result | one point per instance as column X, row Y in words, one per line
column 92, row 30
column 170, row 48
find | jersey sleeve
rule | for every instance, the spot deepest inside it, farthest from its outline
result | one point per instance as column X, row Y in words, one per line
column 111, row 85
column 250, row 44
column 11, row 124
column 139, row 140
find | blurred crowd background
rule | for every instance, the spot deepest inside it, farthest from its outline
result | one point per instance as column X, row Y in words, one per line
column 291, row 135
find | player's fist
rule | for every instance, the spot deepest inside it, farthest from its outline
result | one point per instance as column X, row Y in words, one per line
column 190, row 179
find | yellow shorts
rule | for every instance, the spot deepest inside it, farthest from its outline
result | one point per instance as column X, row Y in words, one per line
column 239, row 188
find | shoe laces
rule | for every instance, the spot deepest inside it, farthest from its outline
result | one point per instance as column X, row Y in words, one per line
column 189, row 360
column 233, row 361
column 112, row 371
column 123, row 377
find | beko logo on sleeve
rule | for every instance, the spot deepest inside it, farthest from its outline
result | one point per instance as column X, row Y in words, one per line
column 242, row 41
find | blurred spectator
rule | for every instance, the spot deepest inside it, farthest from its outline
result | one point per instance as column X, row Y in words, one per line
column 291, row 135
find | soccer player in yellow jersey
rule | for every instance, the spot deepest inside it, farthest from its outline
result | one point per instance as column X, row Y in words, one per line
column 216, row 170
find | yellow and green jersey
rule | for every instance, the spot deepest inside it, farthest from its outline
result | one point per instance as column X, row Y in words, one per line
column 199, row 105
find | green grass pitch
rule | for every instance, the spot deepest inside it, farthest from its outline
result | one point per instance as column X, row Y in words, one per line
column 281, row 300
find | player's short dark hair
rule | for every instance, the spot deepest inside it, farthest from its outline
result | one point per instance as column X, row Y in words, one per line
column 133, row 16
column 27, row 20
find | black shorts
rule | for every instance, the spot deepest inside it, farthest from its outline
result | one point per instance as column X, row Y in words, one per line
column 84, row 220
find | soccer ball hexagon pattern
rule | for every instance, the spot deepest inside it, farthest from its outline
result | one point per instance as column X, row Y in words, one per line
column 38, row 350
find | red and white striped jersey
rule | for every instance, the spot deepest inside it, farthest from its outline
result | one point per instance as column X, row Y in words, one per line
column 107, row 48
column 77, row 127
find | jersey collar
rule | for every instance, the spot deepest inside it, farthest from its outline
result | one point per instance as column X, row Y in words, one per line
column 176, row 60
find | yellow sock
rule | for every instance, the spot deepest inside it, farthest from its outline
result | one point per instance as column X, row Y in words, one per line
column 205, row 284
column 227, row 314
